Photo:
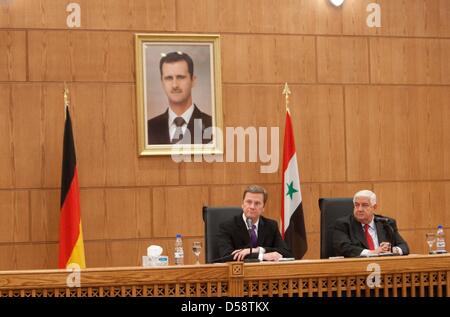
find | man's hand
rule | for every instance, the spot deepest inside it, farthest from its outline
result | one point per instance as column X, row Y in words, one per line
column 240, row 254
column 384, row 247
column 272, row 256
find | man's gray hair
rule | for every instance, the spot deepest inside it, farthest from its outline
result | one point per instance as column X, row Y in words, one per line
column 366, row 194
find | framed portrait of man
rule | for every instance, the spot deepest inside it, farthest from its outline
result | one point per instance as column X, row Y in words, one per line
column 179, row 98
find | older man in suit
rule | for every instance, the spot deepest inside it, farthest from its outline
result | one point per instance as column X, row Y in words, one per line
column 182, row 121
column 250, row 235
column 363, row 233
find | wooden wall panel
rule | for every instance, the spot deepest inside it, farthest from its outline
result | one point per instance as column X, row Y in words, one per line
column 97, row 254
column 399, row 18
column 342, row 60
column 416, row 239
column 95, row 14
column 7, row 175
column 83, row 55
column 121, row 213
column 29, row 256
column 52, row 126
column 317, row 115
column 120, row 136
column 45, row 210
column 257, row 59
column 411, row 139
column 89, row 106
column 390, row 138
column 12, row 56
column 181, row 215
column 26, row 108
column 93, row 213
column 421, row 205
column 410, row 61
column 14, row 216
column 113, row 213
column 259, row 16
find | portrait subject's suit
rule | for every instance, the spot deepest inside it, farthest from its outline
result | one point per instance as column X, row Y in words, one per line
column 158, row 127
column 233, row 235
column 349, row 238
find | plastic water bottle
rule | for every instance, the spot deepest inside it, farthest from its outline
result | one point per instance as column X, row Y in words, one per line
column 179, row 252
column 440, row 240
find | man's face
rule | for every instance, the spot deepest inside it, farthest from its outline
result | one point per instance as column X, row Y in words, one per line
column 177, row 83
column 253, row 205
column 363, row 210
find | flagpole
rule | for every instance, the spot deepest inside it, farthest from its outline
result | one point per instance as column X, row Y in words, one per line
column 286, row 92
column 66, row 99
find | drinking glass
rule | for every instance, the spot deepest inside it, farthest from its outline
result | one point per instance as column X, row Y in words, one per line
column 431, row 239
column 196, row 248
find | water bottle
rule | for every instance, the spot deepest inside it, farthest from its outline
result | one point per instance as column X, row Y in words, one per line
column 179, row 253
column 440, row 240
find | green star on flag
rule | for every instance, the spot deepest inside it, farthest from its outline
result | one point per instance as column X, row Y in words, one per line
column 291, row 190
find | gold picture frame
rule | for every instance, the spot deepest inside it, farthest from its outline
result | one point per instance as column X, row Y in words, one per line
column 158, row 102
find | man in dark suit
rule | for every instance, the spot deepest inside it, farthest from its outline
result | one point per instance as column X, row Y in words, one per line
column 263, row 241
column 363, row 233
column 182, row 122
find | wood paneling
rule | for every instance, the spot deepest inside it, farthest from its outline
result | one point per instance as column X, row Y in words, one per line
column 116, row 213
column 258, row 59
column 397, row 133
column 12, row 56
column 29, row 256
column 95, row 14
column 81, row 56
column 7, row 175
column 120, row 136
column 259, row 16
column 27, row 135
column 389, row 138
column 317, row 114
column 14, row 216
column 399, row 18
column 178, row 210
column 421, row 205
column 45, row 210
column 410, row 61
column 342, row 60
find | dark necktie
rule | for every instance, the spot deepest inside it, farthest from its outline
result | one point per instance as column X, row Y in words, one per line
column 253, row 238
column 179, row 122
column 368, row 237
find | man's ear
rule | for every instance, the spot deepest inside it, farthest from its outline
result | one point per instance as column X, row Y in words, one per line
column 375, row 207
column 194, row 80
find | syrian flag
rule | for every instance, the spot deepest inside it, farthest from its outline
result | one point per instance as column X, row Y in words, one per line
column 71, row 246
column 292, row 219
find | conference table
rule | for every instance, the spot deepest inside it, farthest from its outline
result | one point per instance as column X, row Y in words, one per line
column 412, row 275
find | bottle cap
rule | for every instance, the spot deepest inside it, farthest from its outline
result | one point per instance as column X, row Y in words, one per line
column 178, row 235
column 440, row 227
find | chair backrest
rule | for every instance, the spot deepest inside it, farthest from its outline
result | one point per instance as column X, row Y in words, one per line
column 213, row 217
column 330, row 210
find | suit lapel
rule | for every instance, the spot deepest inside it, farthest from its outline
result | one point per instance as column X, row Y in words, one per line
column 166, row 136
column 196, row 114
column 242, row 230
column 381, row 233
column 261, row 232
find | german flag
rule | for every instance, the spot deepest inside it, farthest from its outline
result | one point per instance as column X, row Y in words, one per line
column 71, row 246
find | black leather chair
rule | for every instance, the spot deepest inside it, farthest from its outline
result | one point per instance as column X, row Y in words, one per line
column 330, row 210
column 213, row 217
